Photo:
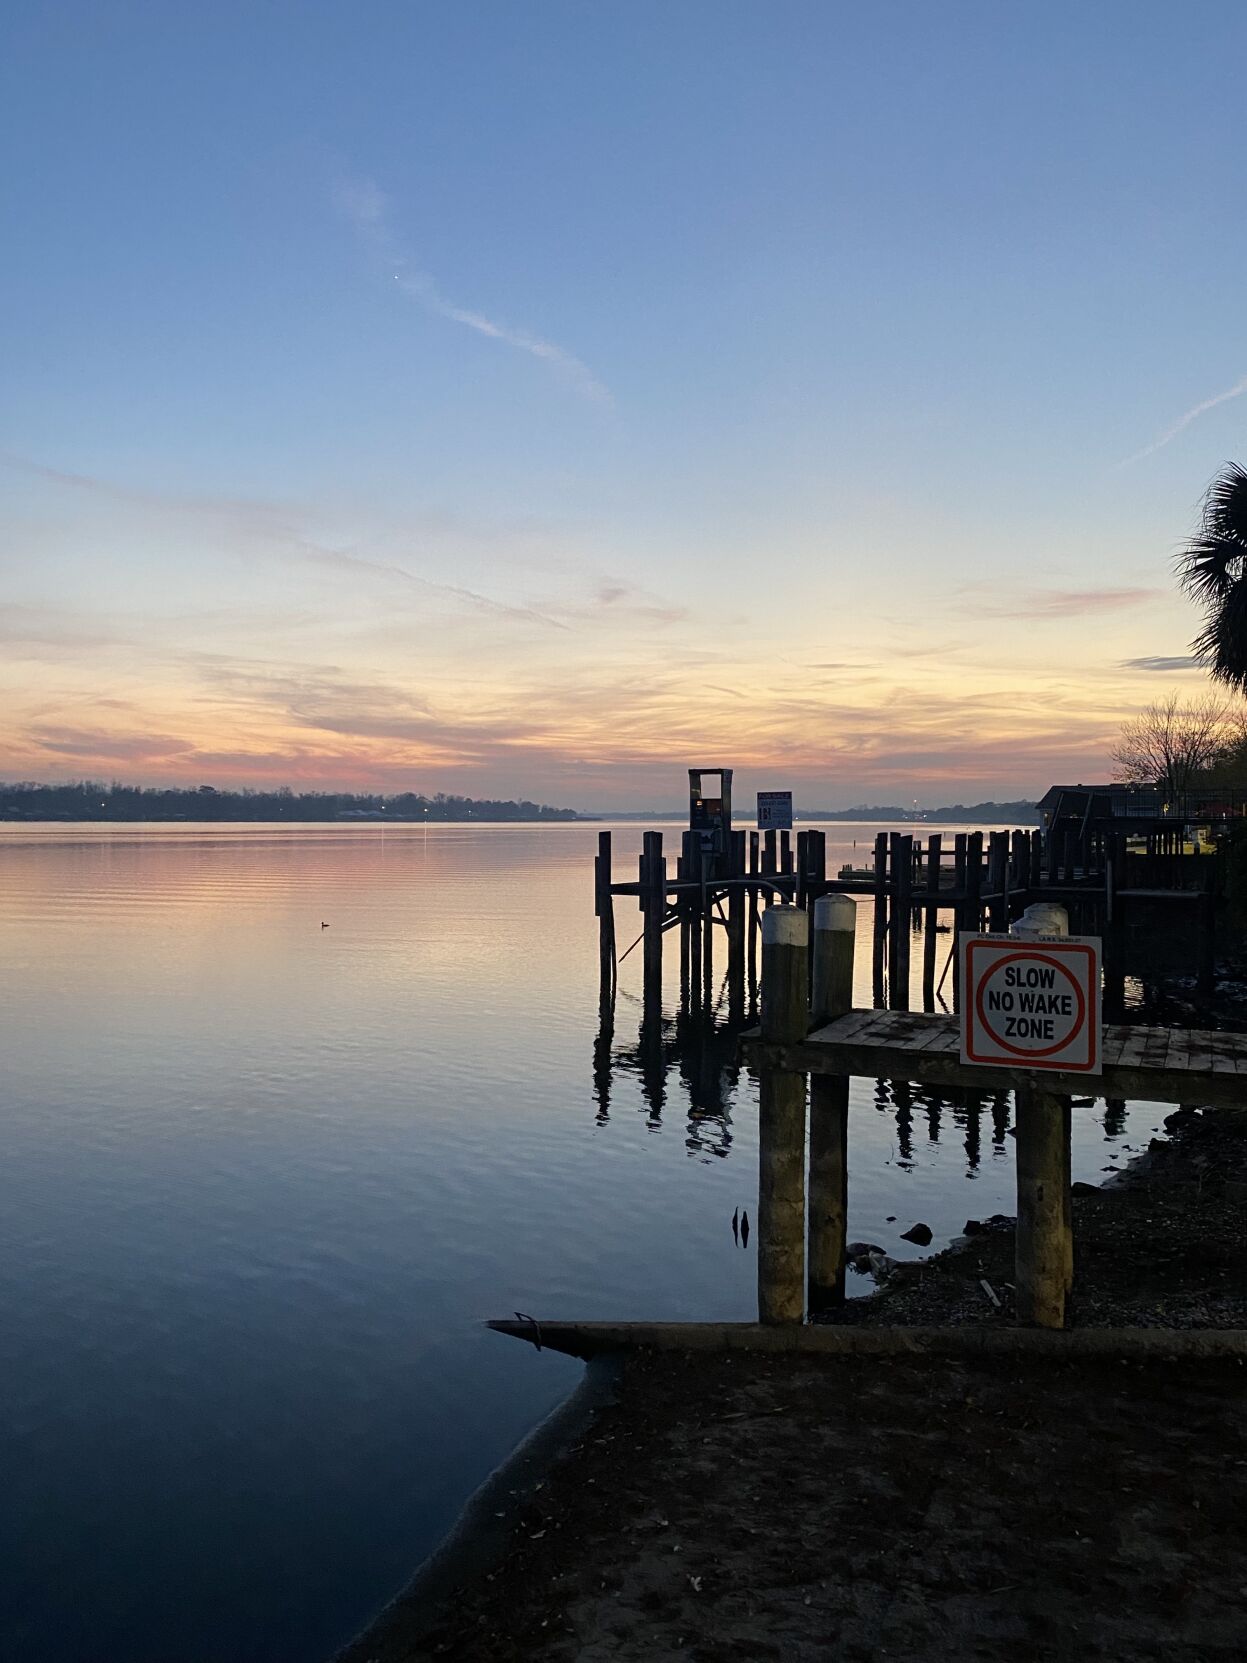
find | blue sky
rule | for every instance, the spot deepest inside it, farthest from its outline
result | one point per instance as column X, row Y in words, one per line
column 538, row 397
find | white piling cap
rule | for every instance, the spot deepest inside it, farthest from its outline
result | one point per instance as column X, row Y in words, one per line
column 835, row 912
column 1041, row 918
column 785, row 926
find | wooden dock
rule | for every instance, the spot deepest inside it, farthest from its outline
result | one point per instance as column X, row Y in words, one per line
column 1161, row 1065
column 809, row 1034
column 974, row 882
column 770, row 891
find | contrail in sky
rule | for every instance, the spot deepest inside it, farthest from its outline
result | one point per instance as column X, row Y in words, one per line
column 365, row 206
column 1238, row 388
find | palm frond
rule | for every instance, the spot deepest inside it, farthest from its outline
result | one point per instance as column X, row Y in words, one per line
column 1225, row 506
column 1208, row 568
column 1222, row 643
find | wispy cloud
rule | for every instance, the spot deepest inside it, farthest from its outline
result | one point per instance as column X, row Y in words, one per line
column 1185, row 421
column 1154, row 661
column 1056, row 603
column 366, row 207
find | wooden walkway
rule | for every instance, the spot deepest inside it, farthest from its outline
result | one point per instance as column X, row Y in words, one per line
column 1162, row 1065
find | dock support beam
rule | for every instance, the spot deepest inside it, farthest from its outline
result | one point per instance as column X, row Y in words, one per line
column 781, row 1119
column 835, row 930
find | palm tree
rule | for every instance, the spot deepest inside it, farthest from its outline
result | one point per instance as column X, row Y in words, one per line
column 1213, row 571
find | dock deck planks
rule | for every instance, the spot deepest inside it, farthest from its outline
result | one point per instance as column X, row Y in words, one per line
column 1163, row 1065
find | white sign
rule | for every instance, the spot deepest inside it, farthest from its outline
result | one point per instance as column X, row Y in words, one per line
column 774, row 809
column 1034, row 1003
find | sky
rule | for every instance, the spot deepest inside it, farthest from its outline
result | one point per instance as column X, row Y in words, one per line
column 536, row 399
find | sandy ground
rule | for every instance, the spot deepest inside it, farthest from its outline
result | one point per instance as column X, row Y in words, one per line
column 746, row 1507
column 743, row 1507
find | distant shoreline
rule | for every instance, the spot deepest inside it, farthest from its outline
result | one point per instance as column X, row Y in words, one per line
column 560, row 819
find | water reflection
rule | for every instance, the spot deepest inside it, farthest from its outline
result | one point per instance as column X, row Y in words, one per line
column 696, row 1047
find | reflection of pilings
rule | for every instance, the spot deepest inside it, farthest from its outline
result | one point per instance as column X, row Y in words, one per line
column 932, row 1104
column 903, row 1097
column 602, row 1045
column 835, row 924
column 1000, row 1119
column 651, row 1053
column 973, row 1107
column 781, row 1120
column 1114, row 1116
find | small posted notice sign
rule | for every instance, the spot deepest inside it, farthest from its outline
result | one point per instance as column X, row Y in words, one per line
column 774, row 810
column 1033, row 1002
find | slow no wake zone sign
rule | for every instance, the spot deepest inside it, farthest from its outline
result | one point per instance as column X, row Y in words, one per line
column 1032, row 1003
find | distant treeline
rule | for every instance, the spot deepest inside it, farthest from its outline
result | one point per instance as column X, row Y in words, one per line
column 87, row 800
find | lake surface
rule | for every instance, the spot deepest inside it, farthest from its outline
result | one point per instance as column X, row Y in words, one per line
column 262, row 1181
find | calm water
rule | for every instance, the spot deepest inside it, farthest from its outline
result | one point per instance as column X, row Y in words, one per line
column 261, row 1182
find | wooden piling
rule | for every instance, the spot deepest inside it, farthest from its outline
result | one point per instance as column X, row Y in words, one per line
column 974, row 881
column 831, row 995
column 997, row 880
column 930, row 922
column 901, row 852
column 1044, row 1242
column 881, row 913
column 653, row 884
column 753, row 915
column 604, row 908
column 770, row 857
column 781, row 1120
column 736, row 923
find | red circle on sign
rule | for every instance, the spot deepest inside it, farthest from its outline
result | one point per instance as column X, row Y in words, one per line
column 1045, row 958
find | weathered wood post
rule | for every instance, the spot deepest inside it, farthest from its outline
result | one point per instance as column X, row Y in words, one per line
column 1043, row 1256
column 753, row 916
column 881, row 914
column 974, row 881
column 959, row 911
column 604, row 908
column 831, row 995
column 997, row 880
column 735, row 860
column 781, row 1119
column 1019, row 862
column 930, row 921
column 770, row 859
column 902, row 861
column 1036, row 858
column 653, row 885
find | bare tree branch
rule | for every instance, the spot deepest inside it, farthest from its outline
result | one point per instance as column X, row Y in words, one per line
column 1170, row 743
